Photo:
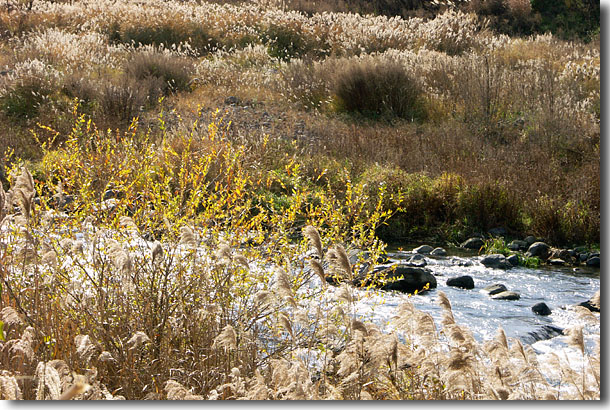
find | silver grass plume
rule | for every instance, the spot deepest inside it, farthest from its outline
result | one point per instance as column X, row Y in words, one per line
column 9, row 388
column 313, row 235
column 24, row 192
column 318, row 269
column 575, row 338
column 176, row 391
column 223, row 253
column 2, row 202
column 359, row 326
column 10, row 316
column 444, row 303
column 337, row 256
column 242, row 261
column 285, row 323
column 128, row 223
column 79, row 386
column 48, row 382
column 137, row 340
column 85, row 349
column 227, row 339
column 157, row 252
column 187, row 237
column 282, row 283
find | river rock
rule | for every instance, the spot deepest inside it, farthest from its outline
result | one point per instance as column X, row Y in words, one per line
column 592, row 304
column 529, row 240
column 583, row 256
column 517, row 245
column 543, row 332
column 541, row 309
column 439, row 252
column 538, row 249
column 594, row 262
column 494, row 289
column 408, row 279
column 513, row 260
column 496, row 261
column 499, row 231
column 464, row 282
column 461, row 262
column 557, row 262
column 506, row 295
column 473, row 243
column 417, row 260
column 424, row 249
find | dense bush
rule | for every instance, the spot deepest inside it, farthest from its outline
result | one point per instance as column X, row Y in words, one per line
column 174, row 72
column 167, row 34
column 378, row 89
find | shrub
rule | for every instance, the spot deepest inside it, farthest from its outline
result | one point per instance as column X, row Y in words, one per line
column 28, row 86
column 174, row 72
column 124, row 99
column 167, row 34
column 488, row 205
column 378, row 89
column 283, row 42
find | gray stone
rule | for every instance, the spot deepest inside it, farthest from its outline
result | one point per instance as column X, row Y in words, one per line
column 506, row 295
column 464, row 282
column 513, row 260
column 408, row 279
column 557, row 262
column 529, row 240
column 424, row 249
column 583, row 256
column 538, row 249
column 417, row 260
column 541, row 309
column 517, row 245
column 473, row 243
column 593, row 262
column 500, row 231
column 496, row 261
column 494, row 289
column 439, row 252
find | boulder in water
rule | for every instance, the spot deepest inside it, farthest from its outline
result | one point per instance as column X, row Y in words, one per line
column 517, row 245
column 417, row 260
column 408, row 279
column 513, row 260
column 439, row 252
column 541, row 309
column 494, row 289
column 506, row 295
column 473, row 243
column 424, row 249
column 544, row 332
column 593, row 262
column 538, row 249
column 463, row 282
column 496, row 260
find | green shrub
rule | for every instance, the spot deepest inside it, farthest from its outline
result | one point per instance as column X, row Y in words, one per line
column 488, row 205
column 283, row 43
column 375, row 89
column 174, row 72
column 167, row 34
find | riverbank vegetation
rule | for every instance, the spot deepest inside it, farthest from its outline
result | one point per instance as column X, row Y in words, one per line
column 141, row 139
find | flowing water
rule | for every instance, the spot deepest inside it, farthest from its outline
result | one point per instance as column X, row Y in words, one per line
column 558, row 287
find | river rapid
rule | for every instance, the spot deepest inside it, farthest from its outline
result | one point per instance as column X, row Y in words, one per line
column 558, row 287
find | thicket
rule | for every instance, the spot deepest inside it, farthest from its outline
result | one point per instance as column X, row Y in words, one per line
column 515, row 119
